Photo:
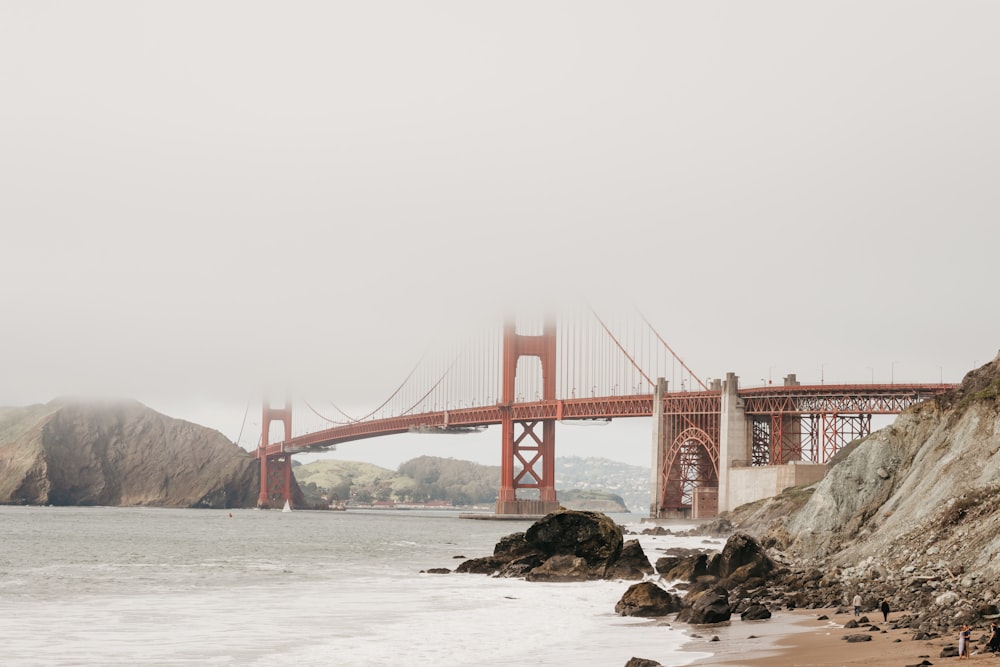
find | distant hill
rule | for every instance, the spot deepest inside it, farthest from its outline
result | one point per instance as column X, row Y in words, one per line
column 74, row 452
column 581, row 483
column 630, row 482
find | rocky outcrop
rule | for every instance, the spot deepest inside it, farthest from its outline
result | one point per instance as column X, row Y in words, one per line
column 647, row 599
column 926, row 486
column 710, row 605
column 908, row 513
column 592, row 536
column 689, row 568
column 118, row 453
column 741, row 559
column 568, row 545
column 642, row 662
column 755, row 612
column 632, row 563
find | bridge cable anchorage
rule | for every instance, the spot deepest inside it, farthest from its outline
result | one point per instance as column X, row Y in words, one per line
column 666, row 345
column 622, row 349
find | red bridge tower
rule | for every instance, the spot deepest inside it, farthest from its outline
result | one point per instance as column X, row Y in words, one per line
column 276, row 472
column 536, row 454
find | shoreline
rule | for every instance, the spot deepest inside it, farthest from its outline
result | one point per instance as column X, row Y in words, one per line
column 797, row 638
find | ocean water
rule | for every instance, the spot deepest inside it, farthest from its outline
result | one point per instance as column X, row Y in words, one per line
column 138, row 586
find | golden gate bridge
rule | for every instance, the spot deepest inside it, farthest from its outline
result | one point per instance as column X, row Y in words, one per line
column 715, row 443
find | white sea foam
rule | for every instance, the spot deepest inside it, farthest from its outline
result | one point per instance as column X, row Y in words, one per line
column 307, row 588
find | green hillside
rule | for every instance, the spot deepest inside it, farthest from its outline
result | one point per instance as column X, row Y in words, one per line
column 581, row 483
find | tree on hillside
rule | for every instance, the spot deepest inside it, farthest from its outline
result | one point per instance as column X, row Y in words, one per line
column 462, row 482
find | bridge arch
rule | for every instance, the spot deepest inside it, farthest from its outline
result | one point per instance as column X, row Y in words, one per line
column 691, row 461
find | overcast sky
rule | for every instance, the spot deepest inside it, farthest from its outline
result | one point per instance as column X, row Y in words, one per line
column 201, row 199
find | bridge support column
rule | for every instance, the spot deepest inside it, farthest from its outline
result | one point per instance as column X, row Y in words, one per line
column 533, row 451
column 735, row 437
column 276, row 472
column 786, row 433
column 659, row 448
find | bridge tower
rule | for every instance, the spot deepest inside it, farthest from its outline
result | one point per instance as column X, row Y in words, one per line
column 275, row 473
column 534, row 452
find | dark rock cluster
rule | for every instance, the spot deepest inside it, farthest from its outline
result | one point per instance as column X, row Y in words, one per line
column 571, row 545
column 744, row 580
column 568, row 545
column 717, row 586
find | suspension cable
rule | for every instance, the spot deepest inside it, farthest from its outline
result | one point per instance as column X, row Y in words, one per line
column 433, row 387
column 391, row 396
column 246, row 412
column 681, row 361
column 327, row 419
column 623, row 351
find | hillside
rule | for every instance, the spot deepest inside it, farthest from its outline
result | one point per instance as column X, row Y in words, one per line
column 918, row 495
column 69, row 452
column 589, row 483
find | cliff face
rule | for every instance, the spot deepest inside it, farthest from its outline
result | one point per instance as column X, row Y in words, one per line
column 118, row 453
column 921, row 493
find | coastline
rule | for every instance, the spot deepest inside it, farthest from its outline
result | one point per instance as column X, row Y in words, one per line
column 798, row 639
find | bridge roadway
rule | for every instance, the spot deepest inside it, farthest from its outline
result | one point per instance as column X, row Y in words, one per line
column 848, row 399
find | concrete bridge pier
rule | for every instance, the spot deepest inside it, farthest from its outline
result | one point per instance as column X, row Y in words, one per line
column 735, row 441
column 659, row 447
column 759, row 459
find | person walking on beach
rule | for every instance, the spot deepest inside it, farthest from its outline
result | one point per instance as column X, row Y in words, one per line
column 964, row 638
column 857, row 604
column 993, row 644
column 885, row 610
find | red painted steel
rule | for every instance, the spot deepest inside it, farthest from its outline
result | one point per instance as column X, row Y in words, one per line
column 609, row 407
column 878, row 399
column 535, row 452
column 789, row 423
column 692, row 424
column 275, row 465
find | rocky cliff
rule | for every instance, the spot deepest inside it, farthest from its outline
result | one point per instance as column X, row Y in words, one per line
column 918, row 496
column 118, row 453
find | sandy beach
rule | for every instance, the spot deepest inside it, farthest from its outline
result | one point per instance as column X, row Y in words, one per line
column 799, row 639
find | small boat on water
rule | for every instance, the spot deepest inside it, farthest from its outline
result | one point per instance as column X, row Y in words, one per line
column 287, row 507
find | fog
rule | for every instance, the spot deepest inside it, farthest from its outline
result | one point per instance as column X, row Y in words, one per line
column 201, row 202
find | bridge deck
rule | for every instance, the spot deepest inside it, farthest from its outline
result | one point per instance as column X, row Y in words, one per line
column 797, row 399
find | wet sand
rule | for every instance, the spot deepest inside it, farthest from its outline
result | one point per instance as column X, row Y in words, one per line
column 798, row 639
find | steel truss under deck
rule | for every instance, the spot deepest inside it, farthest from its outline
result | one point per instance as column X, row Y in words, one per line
column 789, row 423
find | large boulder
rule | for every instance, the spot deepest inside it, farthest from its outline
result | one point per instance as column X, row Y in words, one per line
column 741, row 559
column 647, row 599
column 631, row 564
column 561, row 567
column 642, row 662
column 688, row 569
column 568, row 545
column 512, row 546
column 592, row 536
column 710, row 605
column 484, row 565
column 755, row 612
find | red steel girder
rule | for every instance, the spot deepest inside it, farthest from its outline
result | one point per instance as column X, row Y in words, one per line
column 758, row 401
column 842, row 399
column 692, row 460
